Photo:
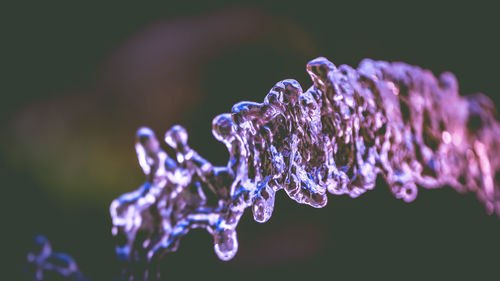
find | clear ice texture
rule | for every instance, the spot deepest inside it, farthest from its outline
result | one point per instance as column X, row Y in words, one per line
column 392, row 119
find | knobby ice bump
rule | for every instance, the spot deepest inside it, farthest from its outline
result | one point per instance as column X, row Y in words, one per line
column 392, row 119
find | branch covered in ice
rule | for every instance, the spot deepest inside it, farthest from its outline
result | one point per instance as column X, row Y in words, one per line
column 392, row 119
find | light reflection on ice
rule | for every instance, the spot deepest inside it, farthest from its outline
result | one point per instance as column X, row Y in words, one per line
column 392, row 119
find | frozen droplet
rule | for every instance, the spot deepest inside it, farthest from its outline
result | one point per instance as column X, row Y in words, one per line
column 263, row 205
column 225, row 244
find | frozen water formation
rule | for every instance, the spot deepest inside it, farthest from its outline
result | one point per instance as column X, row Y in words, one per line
column 392, row 119
column 44, row 264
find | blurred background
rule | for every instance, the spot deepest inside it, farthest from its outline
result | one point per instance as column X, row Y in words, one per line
column 81, row 78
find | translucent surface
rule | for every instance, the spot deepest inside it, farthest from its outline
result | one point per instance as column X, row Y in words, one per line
column 384, row 118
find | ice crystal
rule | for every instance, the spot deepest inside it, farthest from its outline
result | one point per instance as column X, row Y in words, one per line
column 392, row 119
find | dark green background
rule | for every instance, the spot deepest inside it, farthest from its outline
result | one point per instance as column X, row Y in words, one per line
column 58, row 177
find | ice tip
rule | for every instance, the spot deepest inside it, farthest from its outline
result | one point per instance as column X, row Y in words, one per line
column 176, row 137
